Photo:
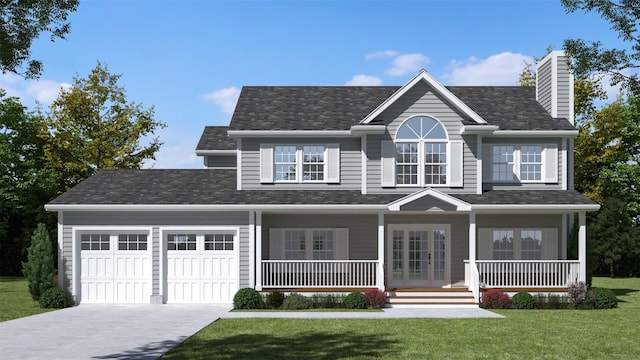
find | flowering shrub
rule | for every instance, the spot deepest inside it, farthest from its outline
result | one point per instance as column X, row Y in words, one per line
column 495, row 299
column 577, row 294
column 374, row 298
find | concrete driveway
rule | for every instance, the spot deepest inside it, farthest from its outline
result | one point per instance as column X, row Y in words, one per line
column 104, row 331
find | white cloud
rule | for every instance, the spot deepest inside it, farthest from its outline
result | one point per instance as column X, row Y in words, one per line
column 182, row 156
column 29, row 91
column 381, row 54
column 45, row 91
column 225, row 98
column 364, row 80
column 499, row 69
column 407, row 63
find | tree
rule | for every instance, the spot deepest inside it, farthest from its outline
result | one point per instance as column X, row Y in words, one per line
column 613, row 237
column 91, row 127
column 25, row 184
column 592, row 57
column 21, row 22
column 39, row 268
column 528, row 75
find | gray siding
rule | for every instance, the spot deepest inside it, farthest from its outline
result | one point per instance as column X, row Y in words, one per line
column 564, row 88
column 155, row 260
column 544, row 86
column 502, row 221
column 487, row 162
column 350, row 164
column 363, row 230
column 459, row 236
column 220, row 161
column 420, row 100
column 67, row 257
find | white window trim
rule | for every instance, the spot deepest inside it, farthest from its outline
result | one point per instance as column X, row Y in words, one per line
column 517, row 164
column 337, row 254
column 299, row 163
column 421, row 155
column 517, row 241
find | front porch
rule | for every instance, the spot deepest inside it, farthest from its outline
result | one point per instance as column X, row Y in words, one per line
column 388, row 250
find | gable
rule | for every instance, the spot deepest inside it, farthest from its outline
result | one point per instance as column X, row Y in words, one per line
column 428, row 203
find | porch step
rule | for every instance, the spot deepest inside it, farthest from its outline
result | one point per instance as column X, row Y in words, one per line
column 430, row 297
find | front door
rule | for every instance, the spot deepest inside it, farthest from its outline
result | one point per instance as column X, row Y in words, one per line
column 418, row 255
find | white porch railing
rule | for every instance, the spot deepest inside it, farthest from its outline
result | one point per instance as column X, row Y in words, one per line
column 319, row 273
column 528, row 273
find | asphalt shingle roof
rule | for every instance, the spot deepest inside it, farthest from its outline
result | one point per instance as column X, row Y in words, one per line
column 215, row 138
column 340, row 107
column 207, row 186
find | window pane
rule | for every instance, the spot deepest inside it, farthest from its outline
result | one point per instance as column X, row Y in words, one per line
column 531, row 163
column 294, row 245
column 502, row 245
column 285, row 163
column 503, row 163
column 181, row 242
column 435, row 153
column 531, row 244
column 323, row 245
column 407, row 163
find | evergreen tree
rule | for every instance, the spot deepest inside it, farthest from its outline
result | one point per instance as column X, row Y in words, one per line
column 39, row 268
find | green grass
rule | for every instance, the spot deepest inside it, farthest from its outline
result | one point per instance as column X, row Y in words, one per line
column 15, row 300
column 523, row 334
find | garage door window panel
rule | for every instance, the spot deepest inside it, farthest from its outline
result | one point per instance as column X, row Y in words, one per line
column 181, row 242
column 95, row 242
column 132, row 242
column 218, row 242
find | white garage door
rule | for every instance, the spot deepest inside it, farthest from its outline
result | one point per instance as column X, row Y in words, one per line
column 202, row 267
column 115, row 268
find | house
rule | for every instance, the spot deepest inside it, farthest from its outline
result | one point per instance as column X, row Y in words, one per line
column 410, row 189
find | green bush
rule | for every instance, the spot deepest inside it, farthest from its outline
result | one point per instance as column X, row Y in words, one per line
column 297, row 302
column 326, row 301
column 275, row 299
column 247, row 299
column 557, row 302
column 523, row 300
column 56, row 298
column 39, row 269
column 355, row 300
column 603, row 298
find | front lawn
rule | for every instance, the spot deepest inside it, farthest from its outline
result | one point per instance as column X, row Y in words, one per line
column 523, row 334
column 15, row 300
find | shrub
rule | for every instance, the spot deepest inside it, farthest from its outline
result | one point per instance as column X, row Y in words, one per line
column 557, row 302
column 495, row 299
column 355, row 300
column 275, row 299
column 374, row 298
column 326, row 301
column 56, row 298
column 296, row 302
column 577, row 292
column 248, row 299
column 603, row 298
column 39, row 269
column 523, row 300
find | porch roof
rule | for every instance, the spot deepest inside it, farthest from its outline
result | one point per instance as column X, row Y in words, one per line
column 217, row 188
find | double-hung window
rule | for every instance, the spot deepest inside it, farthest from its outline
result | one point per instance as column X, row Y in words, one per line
column 421, row 152
column 308, row 243
column 518, row 244
column 524, row 163
column 296, row 163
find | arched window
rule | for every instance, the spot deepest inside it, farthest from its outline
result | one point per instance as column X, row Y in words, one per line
column 421, row 152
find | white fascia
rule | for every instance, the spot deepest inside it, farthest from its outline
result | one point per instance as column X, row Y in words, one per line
column 288, row 133
column 536, row 133
column 560, row 208
column 478, row 129
column 358, row 130
column 460, row 205
column 220, row 207
column 215, row 152
column 436, row 86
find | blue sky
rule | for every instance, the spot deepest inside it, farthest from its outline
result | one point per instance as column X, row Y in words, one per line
column 189, row 59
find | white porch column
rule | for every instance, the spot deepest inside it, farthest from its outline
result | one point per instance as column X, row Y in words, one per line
column 258, row 255
column 60, row 249
column 582, row 245
column 472, row 239
column 252, row 248
column 381, row 251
